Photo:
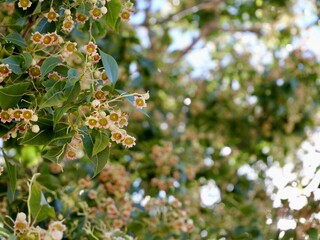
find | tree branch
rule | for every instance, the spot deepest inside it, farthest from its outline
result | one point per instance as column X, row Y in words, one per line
column 209, row 28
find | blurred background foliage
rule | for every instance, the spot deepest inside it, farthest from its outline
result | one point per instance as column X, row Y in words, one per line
column 234, row 92
column 233, row 84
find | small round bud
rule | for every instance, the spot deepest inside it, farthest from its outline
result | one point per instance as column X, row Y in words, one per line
column 35, row 128
column 14, row 134
column 67, row 12
column 104, row 10
column 97, row 74
column 34, row 118
column 33, row 62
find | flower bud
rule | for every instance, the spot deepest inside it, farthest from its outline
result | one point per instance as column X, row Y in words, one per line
column 67, row 12
column 35, row 128
column 104, row 10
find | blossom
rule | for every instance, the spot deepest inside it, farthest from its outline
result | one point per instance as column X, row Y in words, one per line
column 36, row 37
column 29, row 115
column 123, row 122
column 24, row 4
column 96, row 13
column 68, row 24
column 5, row 70
column 103, row 122
column 91, row 122
column 96, row 57
column 5, row 116
column 34, row 71
column 125, row 15
column 104, row 76
column 21, row 223
column 47, row 40
column 99, row 94
column 90, row 48
column 128, row 5
column 57, row 225
column 56, row 230
column 95, row 104
column 51, row 15
column 129, row 141
column 114, row 116
column 92, row 194
column 81, row 18
column 71, row 154
column 57, row 39
column 139, row 102
column 54, row 76
column 69, row 48
column 117, row 136
column 118, row 223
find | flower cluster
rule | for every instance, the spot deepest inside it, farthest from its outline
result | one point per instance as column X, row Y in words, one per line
column 166, row 162
column 23, row 119
column 119, row 215
column 115, row 179
column 126, row 12
column 176, row 217
column 24, row 231
column 47, row 39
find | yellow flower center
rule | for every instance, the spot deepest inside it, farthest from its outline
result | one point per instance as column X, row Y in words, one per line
column 114, row 117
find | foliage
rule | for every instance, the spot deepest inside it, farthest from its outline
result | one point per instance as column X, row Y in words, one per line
column 209, row 144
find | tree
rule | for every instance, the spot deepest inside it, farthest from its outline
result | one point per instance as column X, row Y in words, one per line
column 207, row 144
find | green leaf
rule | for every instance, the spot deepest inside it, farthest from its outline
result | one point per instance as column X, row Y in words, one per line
column 101, row 141
column 110, row 65
column 27, row 60
column 61, row 136
column 55, row 154
column 11, row 95
column 16, row 39
column 100, row 160
column 43, row 137
column 72, row 93
column 49, row 181
column 55, row 96
column 12, row 173
column 48, row 65
column 58, row 114
column 39, row 207
column 37, row 10
column 130, row 99
column 73, row 77
column 14, row 63
column 44, row 26
column 114, row 8
column 87, row 142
